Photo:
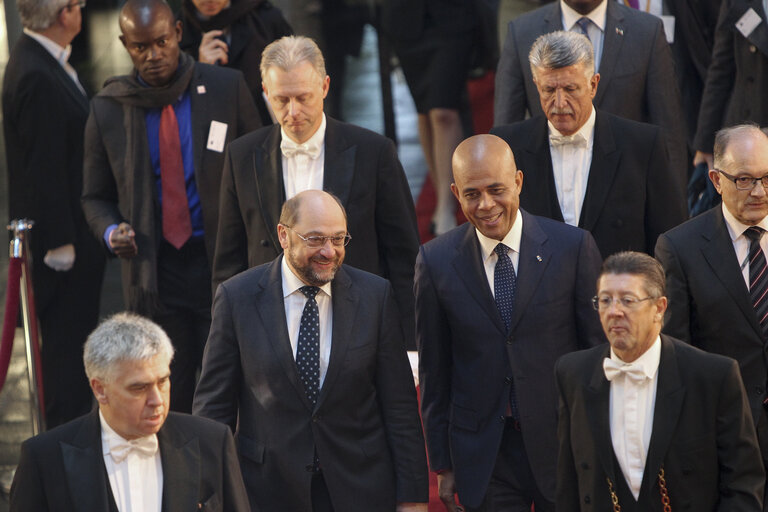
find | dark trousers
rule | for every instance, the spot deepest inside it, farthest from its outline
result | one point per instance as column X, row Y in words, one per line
column 762, row 439
column 184, row 285
column 512, row 487
column 321, row 498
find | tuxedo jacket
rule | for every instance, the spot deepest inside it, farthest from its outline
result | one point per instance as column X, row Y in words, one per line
column 632, row 196
column 702, row 436
column 709, row 303
column 636, row 72
column 361, row 168
column 737, row 76
column 364, row 428
column 63, row 470
column 467, row 359
column 110, row 188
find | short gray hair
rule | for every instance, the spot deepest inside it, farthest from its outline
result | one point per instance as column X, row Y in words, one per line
column 123, row 337
column 288, row 52
column 562, row 49
column 38, row 15
column 637, row 264
column 724, row 137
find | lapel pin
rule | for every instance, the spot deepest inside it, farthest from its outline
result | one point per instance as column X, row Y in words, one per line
column 200, row 89
column 620, row 31
column 538, row 258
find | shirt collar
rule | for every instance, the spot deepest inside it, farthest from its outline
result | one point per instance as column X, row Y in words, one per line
column 597, row 16
column 586, row 131
column 648, row 361
column 737, row 228
column 292, row 283
column 511, row 239
column 316, row 140
column 108, row 433
column 57, row 52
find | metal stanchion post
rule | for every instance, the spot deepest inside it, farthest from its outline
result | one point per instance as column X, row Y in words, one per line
column 18, row 249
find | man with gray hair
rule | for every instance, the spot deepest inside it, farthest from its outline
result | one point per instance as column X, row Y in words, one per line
column 588, row 168
column 309, row 150
column 130, row 453
column 44, row 113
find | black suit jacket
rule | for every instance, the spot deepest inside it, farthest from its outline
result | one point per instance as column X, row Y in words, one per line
column 632, row 193
column 636, row 70
column 63, row 469
column 738, row 74
column 361, row 168
column 467, row 360
column 702, row 435
column 365, row 427
column 709, row 303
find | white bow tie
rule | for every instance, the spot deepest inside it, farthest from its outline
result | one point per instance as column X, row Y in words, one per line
column 120, row 448
column 576, row 139
column 291, row 149
column 613, row 369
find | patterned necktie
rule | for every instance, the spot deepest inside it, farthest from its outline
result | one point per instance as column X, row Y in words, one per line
column 308, row 349
column 758, row 280
column 583, row 24
column 177, row 224
column 504, row 284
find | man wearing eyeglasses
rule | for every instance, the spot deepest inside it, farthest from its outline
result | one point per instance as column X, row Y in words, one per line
column 44, row 113
column 715, row 265
column 306, row 363
column 651, row 423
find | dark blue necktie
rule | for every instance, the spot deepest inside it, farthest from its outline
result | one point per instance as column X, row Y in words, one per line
column 504, row 284
column 308, row 347
column 583, row 24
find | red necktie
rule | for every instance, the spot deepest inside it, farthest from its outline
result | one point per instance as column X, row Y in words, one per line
column 177, row 225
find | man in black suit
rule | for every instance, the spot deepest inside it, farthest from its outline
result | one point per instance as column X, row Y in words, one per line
column 586, row 167
column 651, row 421
column 631, row 54
column 154, row 146
column 130, row 453
column 306, row 361
column 309, row 150
column 709, row 266
column 44, row 113
column 490, row 326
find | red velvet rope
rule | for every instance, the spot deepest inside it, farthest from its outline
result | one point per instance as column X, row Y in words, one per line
column 11, row 315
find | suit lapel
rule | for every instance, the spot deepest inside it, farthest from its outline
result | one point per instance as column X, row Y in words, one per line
column 58, row 71
column 613, row 39
column 605, row 164
column 269, row 305
column 268, row 176
column 339, row 164
column 759, row 36
column 200, row 112
column 597, row 407
column 181, row 468
column 468, row 265
column 669, row 400
column 718, row 251
column 539, row 181
column 533, row 262
column 84, row 468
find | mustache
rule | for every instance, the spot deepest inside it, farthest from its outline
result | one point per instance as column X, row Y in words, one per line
column 561, row 111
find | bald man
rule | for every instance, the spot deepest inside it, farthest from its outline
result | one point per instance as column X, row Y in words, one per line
column 498, row 300
column 154, row 150
column 306, row 362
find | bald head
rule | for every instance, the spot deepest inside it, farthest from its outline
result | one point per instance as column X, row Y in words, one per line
column 151, row 36
column 142, row 13
column 487, row 184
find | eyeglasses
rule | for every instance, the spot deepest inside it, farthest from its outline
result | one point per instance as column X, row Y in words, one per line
column 79, row 3
column 627, row 302
column 745, row 182
column 317, row 241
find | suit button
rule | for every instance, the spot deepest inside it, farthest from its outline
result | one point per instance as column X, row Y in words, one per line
column 315, row 419
column 584, row 465
column 759, row 390
column 507, row 380
column 752, row 48
column 510, row 340
column 587, row 499
column 502, row 419
column 264, row 243
column 309, row 468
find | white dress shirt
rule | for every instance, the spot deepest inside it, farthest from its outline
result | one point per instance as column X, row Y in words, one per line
column 570, row 165
column 61, row 55
column 740, row 242
column 631, row 415
column 294, row 301
column 596, row 28
column 511, row 240
column 137, row 481
column 300, row 172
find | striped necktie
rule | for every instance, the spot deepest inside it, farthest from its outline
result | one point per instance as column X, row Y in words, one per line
column 758, row 280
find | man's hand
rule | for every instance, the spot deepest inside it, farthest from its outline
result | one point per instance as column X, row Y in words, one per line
column 446, row 489
column 61, row 258
column 122, row 241
column 701, row 157
column 411, row 507
column 212, row 50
